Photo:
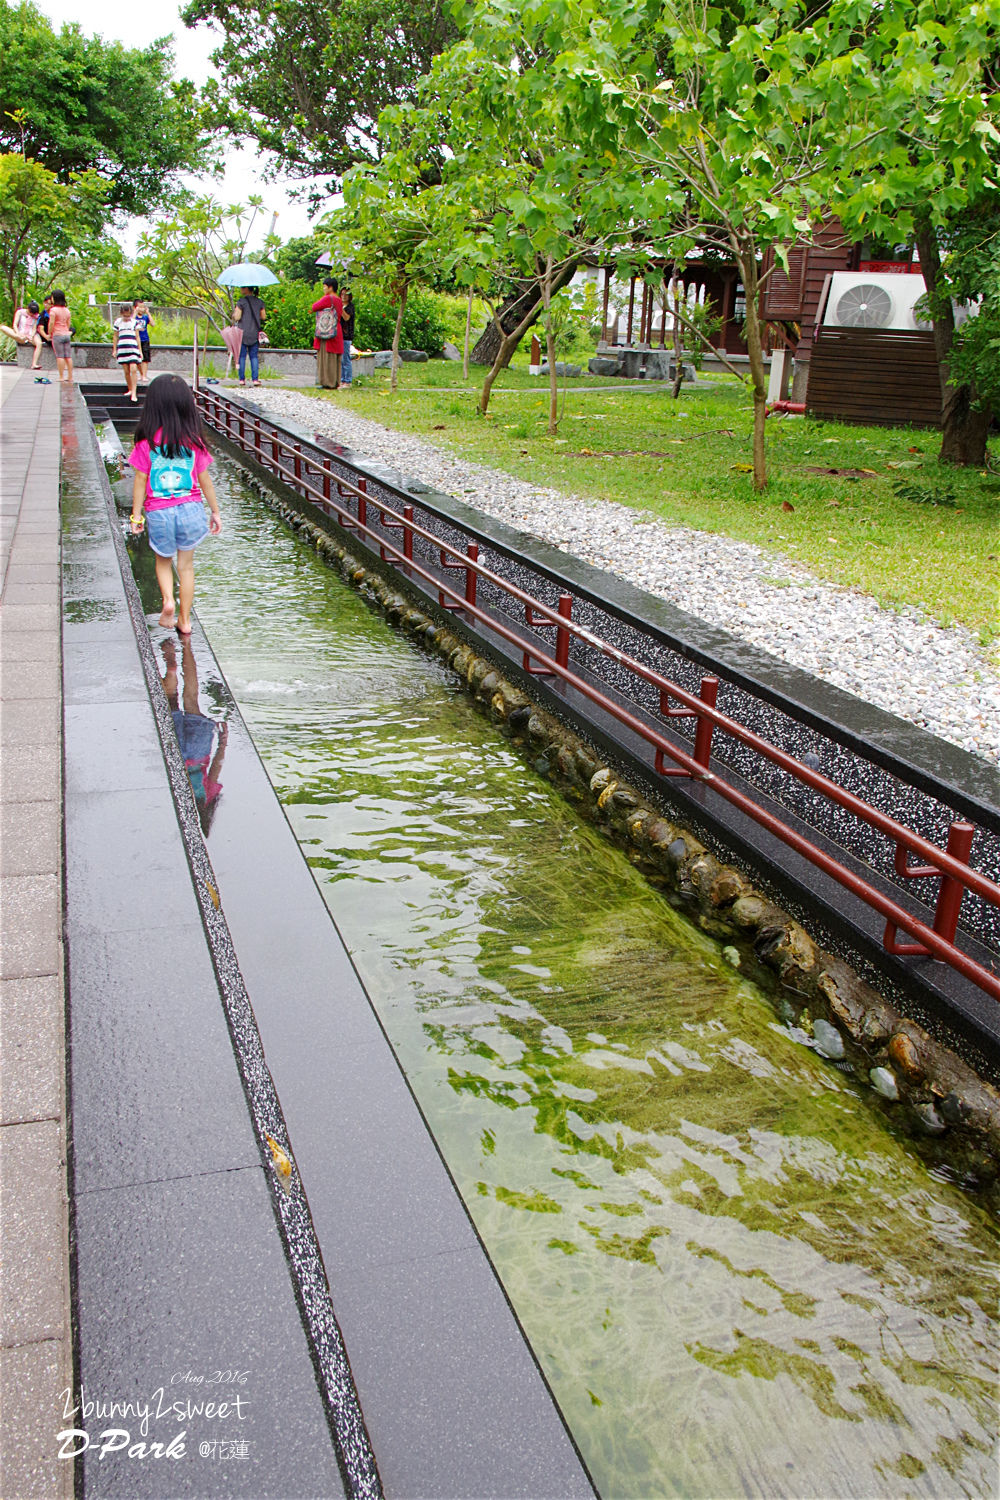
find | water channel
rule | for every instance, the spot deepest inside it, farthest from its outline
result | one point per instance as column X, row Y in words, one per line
column 738, row 1277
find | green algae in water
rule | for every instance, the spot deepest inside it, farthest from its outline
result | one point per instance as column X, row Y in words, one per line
column 738, row 1279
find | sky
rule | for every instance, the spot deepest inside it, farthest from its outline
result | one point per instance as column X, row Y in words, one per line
column 137, row 26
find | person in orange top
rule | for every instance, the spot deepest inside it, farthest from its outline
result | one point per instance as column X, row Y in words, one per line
column 60, row 332
column 329, row 339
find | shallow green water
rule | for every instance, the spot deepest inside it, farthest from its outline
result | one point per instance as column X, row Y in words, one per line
column 738, row 1279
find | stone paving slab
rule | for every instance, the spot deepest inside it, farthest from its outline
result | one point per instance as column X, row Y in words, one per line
column 33, row 1384
column 29, row 845
column 199, row 1283
column 32, row 1056
column 33, row 1283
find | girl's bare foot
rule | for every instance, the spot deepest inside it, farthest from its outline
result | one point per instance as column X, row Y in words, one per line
column 168, row 616
column 184, row 631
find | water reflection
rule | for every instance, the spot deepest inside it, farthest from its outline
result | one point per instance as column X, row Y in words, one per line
column 737, row 1273
column 202, row 740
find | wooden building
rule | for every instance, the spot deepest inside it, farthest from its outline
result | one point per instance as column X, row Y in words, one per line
column 856, row 374
column 645, row 320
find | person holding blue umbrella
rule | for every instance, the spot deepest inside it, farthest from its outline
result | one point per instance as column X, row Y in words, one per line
column 250, row 313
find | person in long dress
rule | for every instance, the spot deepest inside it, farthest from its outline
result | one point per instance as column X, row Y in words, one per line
column 329, row 337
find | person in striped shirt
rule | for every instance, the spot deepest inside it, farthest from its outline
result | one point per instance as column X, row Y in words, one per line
column 126, row 348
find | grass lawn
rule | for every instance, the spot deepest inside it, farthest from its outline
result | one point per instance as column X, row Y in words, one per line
column 686, row 462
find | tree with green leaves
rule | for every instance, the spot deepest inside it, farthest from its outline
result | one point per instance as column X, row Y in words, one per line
column 182, row 255
column 933, row 68
column 489, row 168
column 42, row 221
column 307, row 79
column 296, row 259
column 741, row 139
column 75, row 103
column 970, row 278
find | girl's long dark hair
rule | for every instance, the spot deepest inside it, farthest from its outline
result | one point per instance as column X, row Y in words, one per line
column 170, row 410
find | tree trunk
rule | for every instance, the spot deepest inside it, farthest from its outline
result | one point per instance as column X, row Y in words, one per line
column 965, row 421
column 965, row 428
column 550, row 349
column 519, row 310
column 678, row 344
column 755, row 353
column 468, row 334
column 505, row 349
column 394, row 376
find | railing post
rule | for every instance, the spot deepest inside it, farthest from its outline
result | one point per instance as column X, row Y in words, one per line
column 703, row 733
column 362, row 503
column 326, row 482
column 471, row 576
column 408, row 532
column 707, row 692
column 949, row 901
column 562, row 634
column 297, row 462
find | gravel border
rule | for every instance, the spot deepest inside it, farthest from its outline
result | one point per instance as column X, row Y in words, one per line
column 938, row 678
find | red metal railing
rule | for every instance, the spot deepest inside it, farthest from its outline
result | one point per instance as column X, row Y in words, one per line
column 949, row 865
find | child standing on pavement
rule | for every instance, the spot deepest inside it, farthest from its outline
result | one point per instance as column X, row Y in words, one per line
column 143, row 320
column 61, row 334
column 171, row 459
column 126, row 349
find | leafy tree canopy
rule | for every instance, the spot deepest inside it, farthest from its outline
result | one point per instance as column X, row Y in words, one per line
column 296, row 259
column 307, row 79
column 43, row 222
column 76, row 103
column 182, row 254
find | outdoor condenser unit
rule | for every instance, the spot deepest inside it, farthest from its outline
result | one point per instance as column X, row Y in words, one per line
column 875, row 300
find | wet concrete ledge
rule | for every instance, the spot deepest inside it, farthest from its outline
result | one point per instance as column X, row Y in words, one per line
column 452, row 1397
column 180, row 1269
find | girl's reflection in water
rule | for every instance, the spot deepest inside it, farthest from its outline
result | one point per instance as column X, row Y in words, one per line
column 197, row 735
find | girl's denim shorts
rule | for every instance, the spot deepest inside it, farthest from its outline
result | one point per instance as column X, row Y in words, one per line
column 177, row 528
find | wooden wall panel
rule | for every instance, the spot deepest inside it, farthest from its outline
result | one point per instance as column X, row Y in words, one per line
column 867, row 375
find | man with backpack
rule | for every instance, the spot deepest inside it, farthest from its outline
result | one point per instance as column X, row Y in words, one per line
column 329, row 337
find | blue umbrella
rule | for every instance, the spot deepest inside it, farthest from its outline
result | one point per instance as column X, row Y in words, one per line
column 247, row 273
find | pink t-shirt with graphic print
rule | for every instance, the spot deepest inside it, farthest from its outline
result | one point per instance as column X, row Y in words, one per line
column 140, row 459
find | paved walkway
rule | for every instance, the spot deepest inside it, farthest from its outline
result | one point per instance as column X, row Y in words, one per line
column 35, row 1328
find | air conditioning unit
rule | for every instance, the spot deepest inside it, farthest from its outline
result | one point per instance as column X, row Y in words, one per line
column 875, row 300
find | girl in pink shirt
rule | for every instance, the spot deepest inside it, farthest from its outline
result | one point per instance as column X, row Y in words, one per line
column 60, row 332
column 172, row 484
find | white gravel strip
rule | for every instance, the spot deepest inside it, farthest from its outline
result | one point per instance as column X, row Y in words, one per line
column 937, row 678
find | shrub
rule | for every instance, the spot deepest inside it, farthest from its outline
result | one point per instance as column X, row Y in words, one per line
column 290, row 321
column 88, row 324
column 375, row 322
column 451, row 310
